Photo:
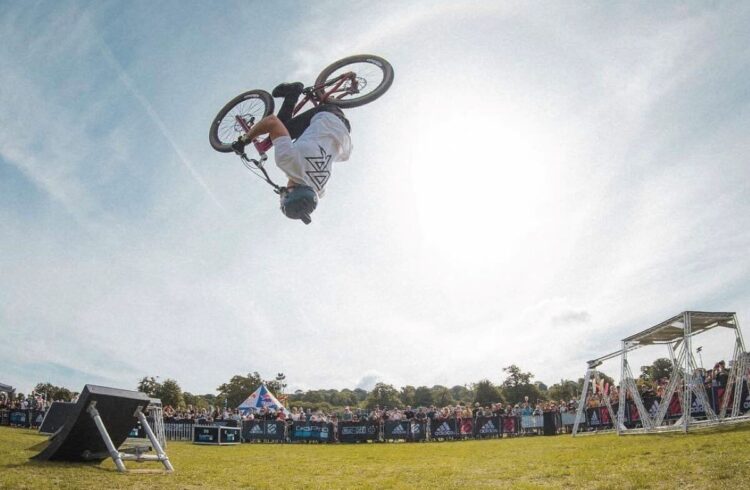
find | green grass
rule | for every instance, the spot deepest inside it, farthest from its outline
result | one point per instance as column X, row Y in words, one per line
column 715, row 459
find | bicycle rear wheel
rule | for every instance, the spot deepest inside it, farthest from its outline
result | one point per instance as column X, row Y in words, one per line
column 373, row 74
column 246, row 109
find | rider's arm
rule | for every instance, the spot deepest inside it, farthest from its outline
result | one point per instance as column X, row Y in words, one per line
column 270, row 125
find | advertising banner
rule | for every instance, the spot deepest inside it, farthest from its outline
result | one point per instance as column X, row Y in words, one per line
column 205, row 434
column 487, row 427
column 358, row 431
column 510, row 424
column 443, row 429
column 311, row 431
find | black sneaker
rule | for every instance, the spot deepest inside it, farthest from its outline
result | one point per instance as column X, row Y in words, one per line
column 287, row 89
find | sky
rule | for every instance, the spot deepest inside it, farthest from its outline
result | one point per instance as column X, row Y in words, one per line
column 542, row 180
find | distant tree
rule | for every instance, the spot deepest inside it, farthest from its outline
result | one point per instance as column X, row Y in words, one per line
column 517, row 386
column 462, row 393
column 313, row 396
column 360, row 394
column 423, row 397
column 407, row 395
column 348, row 398
column 148, row 385
column 486, row 393
column 170, row 393
column 566, row 390
column 660, row 368
column 383, row 395
column 516, row 377
column 542, row 387
column 53, row 393
column 442, row 396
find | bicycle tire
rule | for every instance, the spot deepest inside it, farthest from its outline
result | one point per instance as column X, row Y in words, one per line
column 379, row 90
column 222, row 137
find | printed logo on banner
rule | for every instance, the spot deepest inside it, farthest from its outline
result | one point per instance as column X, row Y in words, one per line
column 488, row 428
column 371, row 429
column 746, row 403
column 594, row 418
column 399, row 429
column 354, row 430
column 654, row 408
column 271, row 429
column 256, row 430
column 697, row 406
column 417, row 429
column 445, row 430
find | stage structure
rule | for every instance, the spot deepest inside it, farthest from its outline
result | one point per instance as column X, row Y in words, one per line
column 676, row 335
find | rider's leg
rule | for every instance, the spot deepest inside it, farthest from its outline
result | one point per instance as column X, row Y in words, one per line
column 269, row 124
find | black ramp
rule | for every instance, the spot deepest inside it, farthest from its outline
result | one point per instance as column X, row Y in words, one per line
column 55, row 417
column 79, row 434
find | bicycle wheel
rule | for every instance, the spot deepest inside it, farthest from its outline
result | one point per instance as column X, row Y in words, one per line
column 374, row 77
column 251, row 107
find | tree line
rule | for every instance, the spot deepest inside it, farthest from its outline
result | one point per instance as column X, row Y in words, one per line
column 514, row 388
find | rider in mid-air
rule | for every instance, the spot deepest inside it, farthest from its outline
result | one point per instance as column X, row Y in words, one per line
column 306, row 147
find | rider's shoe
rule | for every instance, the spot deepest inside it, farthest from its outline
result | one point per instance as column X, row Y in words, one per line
column 287, row 89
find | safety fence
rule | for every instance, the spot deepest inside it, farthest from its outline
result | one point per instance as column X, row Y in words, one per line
column 21, row 417
column 362, row 431
column 414, row 430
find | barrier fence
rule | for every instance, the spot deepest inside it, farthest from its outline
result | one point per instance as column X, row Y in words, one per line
column 550, row 423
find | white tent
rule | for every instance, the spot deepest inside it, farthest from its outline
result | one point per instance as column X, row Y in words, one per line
column 262, row 397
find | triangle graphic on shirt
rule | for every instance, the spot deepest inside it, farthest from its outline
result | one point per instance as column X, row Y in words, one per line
column 320, row 162
column 318, row 178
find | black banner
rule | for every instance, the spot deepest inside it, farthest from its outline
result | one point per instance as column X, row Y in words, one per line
column 598, row 417
column 4, row 417
column 205, row 434
column 418, row 430
column 311, row 431
column 443, row 429
column 263, row 430
column 487, row 426
column 20, row 418
column 358, row 431
column 229, row 435
column 395, row 430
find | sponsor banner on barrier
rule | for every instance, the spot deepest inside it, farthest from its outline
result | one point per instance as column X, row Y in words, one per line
column 443, row 429
column 466, row 426
column 229, row 435
column 256, row 430
column 311, row 431
column 417, row 430
column 510, row 424
column 487, row 426
column 395, row 430
column 21, row 418
column 358, row 431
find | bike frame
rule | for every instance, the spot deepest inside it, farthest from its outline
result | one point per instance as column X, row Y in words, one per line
column 311, row 95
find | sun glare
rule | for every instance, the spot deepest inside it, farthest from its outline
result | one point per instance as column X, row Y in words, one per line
column 481, row 181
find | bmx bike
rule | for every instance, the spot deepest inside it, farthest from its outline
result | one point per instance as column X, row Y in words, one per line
column 348, row 82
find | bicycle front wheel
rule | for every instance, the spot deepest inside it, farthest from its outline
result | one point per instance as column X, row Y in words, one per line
column 373, row 75
column 239, row 113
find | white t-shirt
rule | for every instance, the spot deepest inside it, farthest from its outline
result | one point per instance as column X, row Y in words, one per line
column 309, row 160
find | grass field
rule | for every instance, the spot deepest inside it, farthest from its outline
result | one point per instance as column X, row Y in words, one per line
column 716, row 459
